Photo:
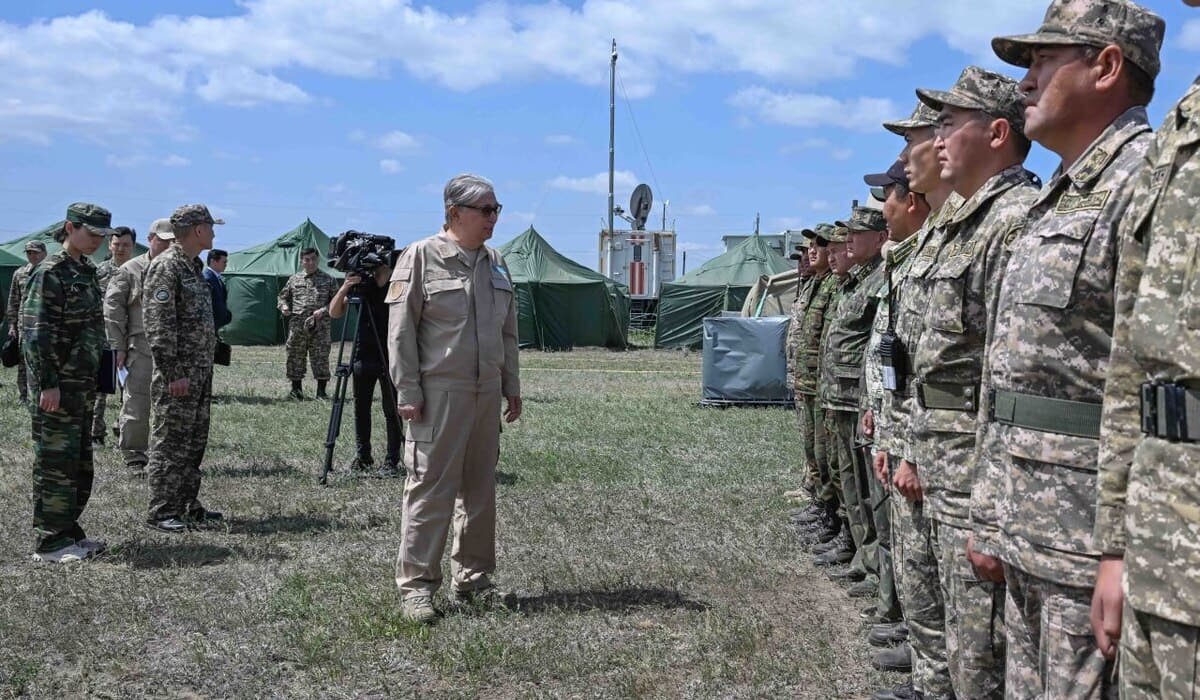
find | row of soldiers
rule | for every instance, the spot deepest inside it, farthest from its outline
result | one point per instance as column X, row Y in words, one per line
column 156, row 315
column 1000, row 414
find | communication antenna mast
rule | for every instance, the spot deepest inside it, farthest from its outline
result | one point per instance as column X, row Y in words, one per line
column 612, row 131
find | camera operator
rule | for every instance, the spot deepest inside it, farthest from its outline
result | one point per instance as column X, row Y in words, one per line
column 371, row 366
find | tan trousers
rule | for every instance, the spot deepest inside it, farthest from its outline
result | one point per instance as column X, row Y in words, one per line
column 451, row 460
column 134, row 422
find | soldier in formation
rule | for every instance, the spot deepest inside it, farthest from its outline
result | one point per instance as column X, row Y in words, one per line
column 1035, row 425
column 35, row 253
column 126, row 333
column 177, row 311
column 304, row 302
column 120, row 249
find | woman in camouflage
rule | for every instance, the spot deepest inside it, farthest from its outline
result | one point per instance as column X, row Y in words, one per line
column 63, row 334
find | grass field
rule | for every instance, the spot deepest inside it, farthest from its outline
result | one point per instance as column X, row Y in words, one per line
column 644, row 536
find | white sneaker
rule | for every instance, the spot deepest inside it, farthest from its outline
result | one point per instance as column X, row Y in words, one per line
column 63, row 555
column 93, row 546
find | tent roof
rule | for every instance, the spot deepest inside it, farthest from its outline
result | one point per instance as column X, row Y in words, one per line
column 741, row 266
column 16, row 247
column 530, row 258
column 281, row 257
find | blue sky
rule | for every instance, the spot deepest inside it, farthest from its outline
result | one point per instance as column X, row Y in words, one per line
column 354, row 113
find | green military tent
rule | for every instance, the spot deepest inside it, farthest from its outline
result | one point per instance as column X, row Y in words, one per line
column 772, row 296
column 254, row 277
column 560, row 303
column 721, row 284
column 12, row 253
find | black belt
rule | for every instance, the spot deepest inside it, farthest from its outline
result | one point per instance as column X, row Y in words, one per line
column 1171, row 412
column 1047, row 415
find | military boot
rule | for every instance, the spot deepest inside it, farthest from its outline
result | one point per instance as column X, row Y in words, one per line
column 297, row 392
column 813, row 513
column 321, row 388
column 865, row 588
column 897, row 658
column 836, row 556
column 840, row 541
column 888, row 634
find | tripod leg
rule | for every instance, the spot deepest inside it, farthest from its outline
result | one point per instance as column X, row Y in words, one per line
column 339, row 392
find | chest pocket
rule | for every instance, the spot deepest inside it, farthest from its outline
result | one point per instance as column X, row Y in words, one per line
column 502, row 293
column 445, row 298
column 916, row 277
column 1055, row 255
column 947, row 294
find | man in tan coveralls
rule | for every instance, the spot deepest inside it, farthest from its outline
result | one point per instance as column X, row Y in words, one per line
column 452, row 333
column 126, row 334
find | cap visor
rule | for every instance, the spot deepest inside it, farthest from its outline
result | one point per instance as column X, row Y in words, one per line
column 795, row 256
column 808, row 233
column 99, row 230
column 1016, row 50
column 878, row 180
column 218, row 221
column 879, row 194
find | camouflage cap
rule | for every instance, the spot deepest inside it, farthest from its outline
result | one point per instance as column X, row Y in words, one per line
column 1138, row 31
column 95, row 217
column 162, row 230
column 981, row 90
column 820, row 232
column 837, row 233
column 35, row 246
column 922, row 117
column 193, row 215
column 864, row 219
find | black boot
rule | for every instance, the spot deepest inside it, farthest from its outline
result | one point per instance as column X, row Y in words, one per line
column 321, row 388
column 296, row 392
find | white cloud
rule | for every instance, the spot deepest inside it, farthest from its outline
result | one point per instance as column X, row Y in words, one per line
column 141, row 74
column 560, row 140
column 395, row 141
column 833, row 150
column 698, row 210
column 241, row 87
column 176, row 161
column 595, row 184
column 819, row 205
column 811, row 110
column 389, row 166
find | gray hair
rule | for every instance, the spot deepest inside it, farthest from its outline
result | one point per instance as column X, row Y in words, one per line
column 465, row 189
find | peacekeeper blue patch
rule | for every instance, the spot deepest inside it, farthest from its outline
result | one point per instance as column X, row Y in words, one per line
column 162, row 294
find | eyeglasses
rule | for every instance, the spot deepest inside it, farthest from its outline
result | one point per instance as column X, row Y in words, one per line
column 486, row 211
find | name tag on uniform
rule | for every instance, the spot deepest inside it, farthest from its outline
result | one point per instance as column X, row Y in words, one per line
column 1069, row 203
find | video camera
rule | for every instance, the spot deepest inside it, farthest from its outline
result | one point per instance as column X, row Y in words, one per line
column 358, row 253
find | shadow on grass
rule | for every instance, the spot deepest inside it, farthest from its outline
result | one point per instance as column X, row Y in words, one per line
column 506, row 478
column 164, row 555
column 276, row 524
column 252, row 400
column 251, row 470
column 618, row 600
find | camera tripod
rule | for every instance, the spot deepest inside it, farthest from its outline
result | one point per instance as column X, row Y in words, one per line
column 343, row 372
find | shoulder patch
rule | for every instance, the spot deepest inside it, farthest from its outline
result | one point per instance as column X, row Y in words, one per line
column 162, row 294
column 396, row 291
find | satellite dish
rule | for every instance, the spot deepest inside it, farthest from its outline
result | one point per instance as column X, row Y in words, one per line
column 639, row 206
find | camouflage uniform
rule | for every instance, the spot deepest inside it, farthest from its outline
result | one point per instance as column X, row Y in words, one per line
column 179, row 327
column 126, row 332
column 890, row 563
column 62, row 338
column 1047, row 364
column 1149, row 507
column 920, row 587
column 303, row 295
column 104, row 273
column 795, row 373
column 17, row 293
column 1034, row 506
column 961, row 287
column 814, row 435
column 841, row 374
